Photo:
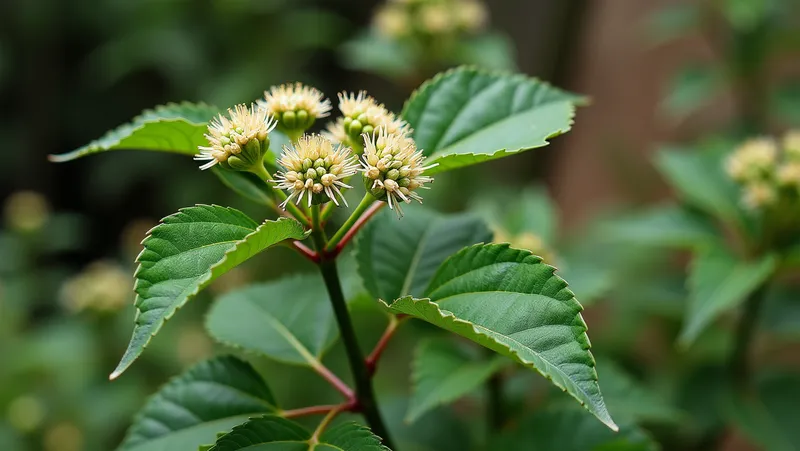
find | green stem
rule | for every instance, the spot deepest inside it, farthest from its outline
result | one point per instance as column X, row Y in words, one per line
column 739, row 362
column 290, row 207
column 360, row 209
column 365, row 394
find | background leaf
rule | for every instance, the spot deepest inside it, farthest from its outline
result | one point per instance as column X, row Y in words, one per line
column 509, row 301
column 192, row 408
column 720, row 281
column 175, row 127
column 245, row 184
column 467, row 116
column 666, row 225
column 571, row 430
column 289, row 320
column 700, row 180
column 631, row 401
column 443, row 372
column 770, row 417
column 691, row 89
column 184, row 254
column 398, row 258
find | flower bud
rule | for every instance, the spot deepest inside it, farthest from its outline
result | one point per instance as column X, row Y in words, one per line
column 296, row 107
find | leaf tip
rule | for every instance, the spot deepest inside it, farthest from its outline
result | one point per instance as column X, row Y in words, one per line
column 58, row 158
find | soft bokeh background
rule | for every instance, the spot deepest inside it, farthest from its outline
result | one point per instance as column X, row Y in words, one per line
column 70, row 70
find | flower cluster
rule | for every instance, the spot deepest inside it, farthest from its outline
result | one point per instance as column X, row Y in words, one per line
column 363, row 116
column 239, row 139
column 315, row 169
column 295, row 106
column 426, row 19
column 767, row 171
column 393, row 168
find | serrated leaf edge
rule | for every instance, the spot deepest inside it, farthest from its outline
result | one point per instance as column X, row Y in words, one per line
column 140, row 414
column 202, row 283
column 140, row 123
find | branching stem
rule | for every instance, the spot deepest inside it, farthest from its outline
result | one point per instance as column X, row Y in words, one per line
column 375, row 355
column 349, row 227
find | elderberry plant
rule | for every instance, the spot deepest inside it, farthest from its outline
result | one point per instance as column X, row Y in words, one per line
column 421, row 265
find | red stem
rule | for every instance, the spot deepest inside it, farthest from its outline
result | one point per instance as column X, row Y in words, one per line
column 306, row 251
column 334, row 380
column 375, row 355
column 374, row 208
column 305, row 411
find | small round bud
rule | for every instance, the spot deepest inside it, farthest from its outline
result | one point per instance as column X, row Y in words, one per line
column 311, row 174
column 355, row 128
column 321, row 171
column 393, row 174
column 289, row 120
column 296, row 106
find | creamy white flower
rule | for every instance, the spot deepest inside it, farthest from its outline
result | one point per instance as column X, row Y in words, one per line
column 789, row 174
column 364, row 116
column 437, row 18
column 752, row 160
column 228, row 135
column 472, row 15
column 791, row 144
column 393, row 168
column 334, row 131
column 314, row 167
column 392, row 21
column 296, row 106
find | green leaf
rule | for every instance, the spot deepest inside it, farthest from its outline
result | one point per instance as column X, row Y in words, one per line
column 781, row 315
column 785, row 102
column 489, row 50
column 443, row 372
column 398, row 258
column 690, row 89
column 569, row 429
column 175, row 127
column 284, row 435
column 510, row 302
column 718, row 282
column 278, row 434
column 631, row 401
column 192, row 408
column 700, row 180
column 769, row 417
column 467, row 116
column 666, row 225
column 351, row 437
column 531, row 210
column 375, row 53
column 290, row 320
column 245, row 184
column 184, row 254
